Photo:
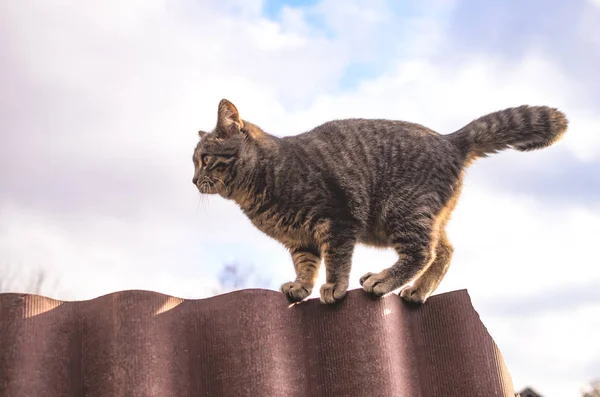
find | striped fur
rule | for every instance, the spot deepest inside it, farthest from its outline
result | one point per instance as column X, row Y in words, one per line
column 376, row 182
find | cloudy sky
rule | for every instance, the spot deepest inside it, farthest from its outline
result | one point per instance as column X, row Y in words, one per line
column 99, row 109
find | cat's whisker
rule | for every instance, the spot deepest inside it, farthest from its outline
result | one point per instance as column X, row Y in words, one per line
column 200, row 203
column 204, row 204
column 203, row 199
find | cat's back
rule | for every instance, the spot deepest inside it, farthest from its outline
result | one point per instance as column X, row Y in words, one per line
column 376, row 150
column 364, row 128
column 367, row 138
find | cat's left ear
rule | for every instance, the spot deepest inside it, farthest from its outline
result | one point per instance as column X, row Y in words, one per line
column 202, row 134
column 229, row 121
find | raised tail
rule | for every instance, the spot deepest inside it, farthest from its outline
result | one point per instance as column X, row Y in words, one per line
column 523, row 128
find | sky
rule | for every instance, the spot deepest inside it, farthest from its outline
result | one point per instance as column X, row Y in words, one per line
column 100, row 108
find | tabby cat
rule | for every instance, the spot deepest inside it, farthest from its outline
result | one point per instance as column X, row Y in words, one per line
column 381, row 183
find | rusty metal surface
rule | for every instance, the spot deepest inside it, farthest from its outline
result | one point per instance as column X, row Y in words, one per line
column 246, row 343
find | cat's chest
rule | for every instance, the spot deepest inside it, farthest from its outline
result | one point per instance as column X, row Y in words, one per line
column 289, row 228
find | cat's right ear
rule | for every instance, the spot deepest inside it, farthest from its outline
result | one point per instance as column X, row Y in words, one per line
column 202, row 134
column 229, row 122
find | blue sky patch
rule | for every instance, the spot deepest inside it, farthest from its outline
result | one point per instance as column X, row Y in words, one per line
column 273, row 7
column 357, row 72
column 272, row 10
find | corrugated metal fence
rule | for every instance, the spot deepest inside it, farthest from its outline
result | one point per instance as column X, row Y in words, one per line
column 246, row 343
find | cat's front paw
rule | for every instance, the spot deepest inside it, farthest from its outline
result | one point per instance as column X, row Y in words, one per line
column 378, row 284
column 333, row 292
column 414, row 294
column 295, row 291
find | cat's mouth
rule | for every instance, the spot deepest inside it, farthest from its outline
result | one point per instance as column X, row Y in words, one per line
column 209, row 185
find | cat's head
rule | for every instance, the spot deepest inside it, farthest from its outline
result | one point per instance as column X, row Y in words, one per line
column 224, row 156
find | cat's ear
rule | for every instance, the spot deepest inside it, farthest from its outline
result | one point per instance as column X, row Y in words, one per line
column 229, row 121
column 202, row 134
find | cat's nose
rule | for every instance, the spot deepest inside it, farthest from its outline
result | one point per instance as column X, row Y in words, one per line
column 195, row 180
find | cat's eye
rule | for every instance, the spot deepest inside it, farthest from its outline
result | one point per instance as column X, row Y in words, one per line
column 205, row 160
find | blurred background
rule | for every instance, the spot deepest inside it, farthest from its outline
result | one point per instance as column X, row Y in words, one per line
column 100, row 107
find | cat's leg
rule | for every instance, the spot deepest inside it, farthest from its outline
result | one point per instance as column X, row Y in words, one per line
column 415, row 241
column 338, row 261
column 424, row 286
column 306, row 262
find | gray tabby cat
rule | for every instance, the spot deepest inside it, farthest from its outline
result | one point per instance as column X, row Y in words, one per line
column 377, row 182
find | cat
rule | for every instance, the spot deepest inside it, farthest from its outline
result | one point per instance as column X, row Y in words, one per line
column 377, row 182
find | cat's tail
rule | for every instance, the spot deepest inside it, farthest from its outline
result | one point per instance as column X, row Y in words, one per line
column 523, row 128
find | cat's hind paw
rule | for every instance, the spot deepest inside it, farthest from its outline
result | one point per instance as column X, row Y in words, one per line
column 331, row 292
column 414, row 295
column 295, row 291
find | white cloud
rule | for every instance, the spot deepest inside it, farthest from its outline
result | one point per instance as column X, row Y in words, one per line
column 551, row 351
